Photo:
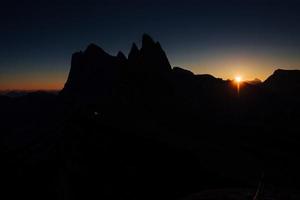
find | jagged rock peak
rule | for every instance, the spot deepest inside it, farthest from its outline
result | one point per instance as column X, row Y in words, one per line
column 147, row 41
column 121, row 55
column 134, row 51
column 149, row 45
column 153, row 56
column 95, row 49
column 158, row 45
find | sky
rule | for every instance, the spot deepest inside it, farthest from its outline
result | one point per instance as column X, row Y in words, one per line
column 249, row 38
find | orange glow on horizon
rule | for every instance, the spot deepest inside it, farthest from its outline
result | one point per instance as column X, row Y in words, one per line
column 32, row 87
column 33, row 81
column 251, row 66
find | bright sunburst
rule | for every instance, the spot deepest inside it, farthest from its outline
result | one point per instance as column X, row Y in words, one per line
column 238, row 79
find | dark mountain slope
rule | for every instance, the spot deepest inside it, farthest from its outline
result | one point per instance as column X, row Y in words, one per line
column 284, row 82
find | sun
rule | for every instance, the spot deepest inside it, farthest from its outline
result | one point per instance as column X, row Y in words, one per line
column 238, row 79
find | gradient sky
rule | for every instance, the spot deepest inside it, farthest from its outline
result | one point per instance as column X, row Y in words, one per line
column 223, row 38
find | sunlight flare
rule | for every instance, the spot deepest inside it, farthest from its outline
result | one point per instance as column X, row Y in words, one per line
column 238, row 79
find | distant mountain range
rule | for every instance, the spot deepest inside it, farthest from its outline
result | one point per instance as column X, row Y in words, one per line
column 20, row 93
column 96, row 76
column 136, row 128
column 95, row 73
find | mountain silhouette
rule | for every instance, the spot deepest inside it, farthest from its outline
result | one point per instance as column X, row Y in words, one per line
column 93, row 75
column 146, row 76
column 283, row 81
column 255, row 81
column 137, row 128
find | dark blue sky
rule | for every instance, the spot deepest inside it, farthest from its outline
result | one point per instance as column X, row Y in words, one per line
column 223, row 38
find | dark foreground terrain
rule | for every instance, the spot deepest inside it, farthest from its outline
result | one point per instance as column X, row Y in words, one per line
column 136, row 128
